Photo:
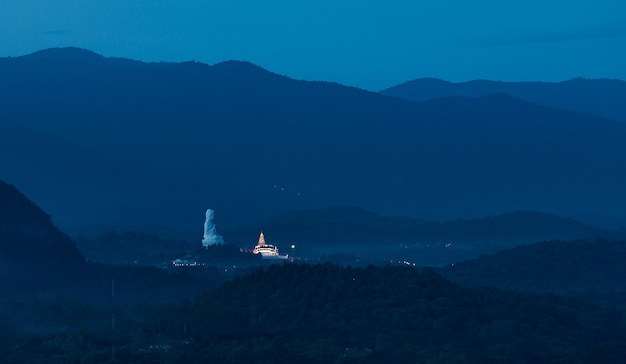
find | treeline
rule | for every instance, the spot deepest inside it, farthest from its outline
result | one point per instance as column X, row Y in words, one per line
column 327, row 313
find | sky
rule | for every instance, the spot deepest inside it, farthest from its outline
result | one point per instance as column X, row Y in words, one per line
column 366, row 44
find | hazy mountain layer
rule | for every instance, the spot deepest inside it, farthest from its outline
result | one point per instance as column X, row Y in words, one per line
column 350, row 226
column 604, row 97
column 249, row 144
column 355, row 236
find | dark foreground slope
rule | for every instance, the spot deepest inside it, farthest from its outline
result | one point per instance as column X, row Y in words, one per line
column 250, row 144
column 27, row 233
column 391, row 314
column 603, row 97
column 50, row 296
column 325, row 313
column 38, row 259
column 593, row 270
column 33, row 252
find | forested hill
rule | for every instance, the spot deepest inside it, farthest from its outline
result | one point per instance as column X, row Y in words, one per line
column 28, row 236
column 36, row 257
column 594, row 270
column 34, row 254
column 324, row 313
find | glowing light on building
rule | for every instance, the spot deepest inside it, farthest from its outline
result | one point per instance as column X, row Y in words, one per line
column 267, row 251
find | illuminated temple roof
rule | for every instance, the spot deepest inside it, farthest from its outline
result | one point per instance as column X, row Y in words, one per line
column 267, row 251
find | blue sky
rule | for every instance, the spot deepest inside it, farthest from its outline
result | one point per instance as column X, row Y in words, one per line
column 368, row 44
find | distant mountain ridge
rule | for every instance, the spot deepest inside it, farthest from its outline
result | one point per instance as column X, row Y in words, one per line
column 251, row 144
column 352, row 226
column 604, row 97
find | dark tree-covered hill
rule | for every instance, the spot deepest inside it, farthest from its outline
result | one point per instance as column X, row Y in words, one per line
column 325, row 313
column 603, row 97
column 36, row 257
column 34, row 254
column 591, row 269
column 321, row 313
column 28, row 236
column 182, row 137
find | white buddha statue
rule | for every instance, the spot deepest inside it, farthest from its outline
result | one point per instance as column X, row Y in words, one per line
column 211, row 237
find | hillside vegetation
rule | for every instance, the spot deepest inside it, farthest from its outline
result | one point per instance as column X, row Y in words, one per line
column 589, row 269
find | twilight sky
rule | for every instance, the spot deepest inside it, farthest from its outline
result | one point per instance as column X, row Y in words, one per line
column 368, row 44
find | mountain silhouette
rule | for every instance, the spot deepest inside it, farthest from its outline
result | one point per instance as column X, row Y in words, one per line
column 28, row 235
column 39, row 260
column 34, row 254
column 604, row 97
column 354, row 227
column 251, row 144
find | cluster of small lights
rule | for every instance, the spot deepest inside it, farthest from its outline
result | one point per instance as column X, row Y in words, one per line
column 405, row 262
column 185, row 263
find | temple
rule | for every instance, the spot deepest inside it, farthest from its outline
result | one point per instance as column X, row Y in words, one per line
column 267, row 251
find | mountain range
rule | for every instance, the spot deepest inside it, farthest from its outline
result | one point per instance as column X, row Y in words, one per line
column 604, row 97
column 356, row 236
column 355, row 227
column 120, row 141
